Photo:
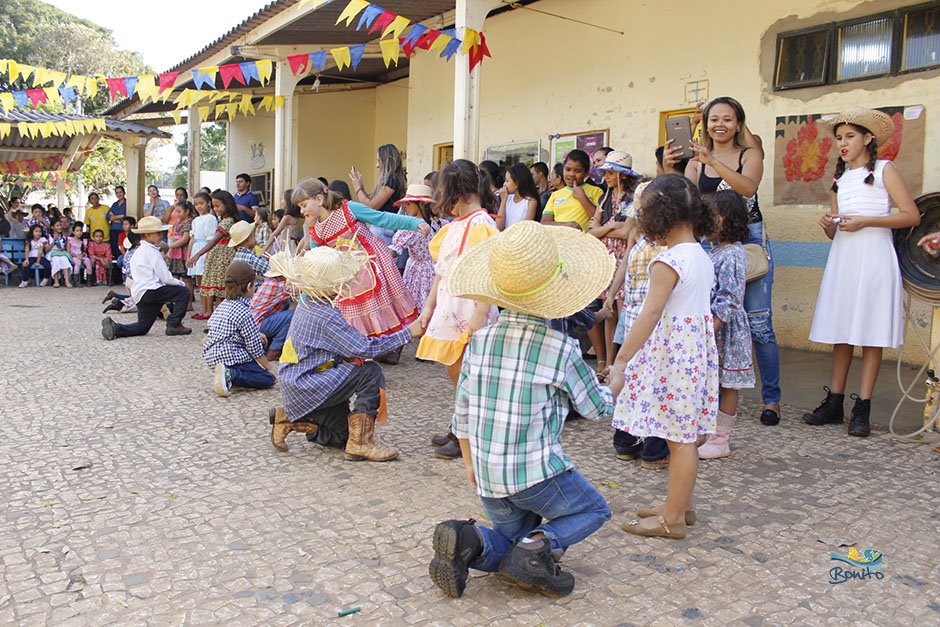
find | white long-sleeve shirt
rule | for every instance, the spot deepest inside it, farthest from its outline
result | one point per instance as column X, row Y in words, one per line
column 149, row 271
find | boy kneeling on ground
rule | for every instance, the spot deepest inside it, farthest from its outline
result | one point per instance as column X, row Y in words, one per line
column 513, row 393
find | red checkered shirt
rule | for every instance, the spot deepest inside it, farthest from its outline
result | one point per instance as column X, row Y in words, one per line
column 269, row 298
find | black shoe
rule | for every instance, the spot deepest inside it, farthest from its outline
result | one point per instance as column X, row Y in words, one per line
column 178, row 330
column 114, row 305
column 451, row 450
column 769, row 417
column 531, row 566
column 456, row 544
column 829, row 412
column 858, row 425
column 627, row 446
column 443, row 438
column 108, row 329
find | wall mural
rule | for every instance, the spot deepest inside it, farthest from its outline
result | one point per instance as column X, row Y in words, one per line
column 257, row 156
column 806, row 155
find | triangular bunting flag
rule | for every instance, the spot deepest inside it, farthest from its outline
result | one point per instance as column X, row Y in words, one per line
column 470, row 39
column 440, row 42
column 36, row 96
column 368, row 16
column 231, row 72
column 266, row 103
column 355, row 54
column 351, row 11
column 130, row 85
column 298, row 63
column 396, row 27
column 201, row 79
column 250, row 71
column 451, row 49
column 146, row 87
column 52, row 94
column 318, row 60
column 478, row 52
column 219, row 110
column 265, row 67
column 24, row 70
column 203, row 113
column 167, row 80
column 231, row 109
column 278, row 102
column 414, row 35
column 100, row 124
column 116, row 86
column 177, row 115
column 340, row 55
column 390, row 51
column 4, row 130
column 7, row 103
column 245, row 107
column 383, row 20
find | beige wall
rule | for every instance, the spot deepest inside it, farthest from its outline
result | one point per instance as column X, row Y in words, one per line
column 552, row 76
column 242, row 132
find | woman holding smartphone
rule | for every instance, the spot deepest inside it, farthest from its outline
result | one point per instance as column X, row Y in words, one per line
column 389, row 189
column 731, row 157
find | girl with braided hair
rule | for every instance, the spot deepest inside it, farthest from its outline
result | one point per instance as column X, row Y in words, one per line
column 860, row 297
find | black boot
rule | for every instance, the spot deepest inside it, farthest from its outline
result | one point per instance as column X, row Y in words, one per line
column 829, row 412
column 858, row 425
column 456, row 544
column 532, row 566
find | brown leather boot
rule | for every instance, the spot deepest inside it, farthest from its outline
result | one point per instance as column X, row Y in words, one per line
column 361, row 444
column 281, row 426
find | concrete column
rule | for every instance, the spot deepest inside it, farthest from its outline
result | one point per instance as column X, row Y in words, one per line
column 469, row 13
column 193, row 137
column 135, row 160
column 60, row 192
column 284, row 132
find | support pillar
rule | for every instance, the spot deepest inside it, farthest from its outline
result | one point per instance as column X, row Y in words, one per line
column 471, row 14
column 135, row 161
column 193, row 155
column 284, row 132
column 60, row 192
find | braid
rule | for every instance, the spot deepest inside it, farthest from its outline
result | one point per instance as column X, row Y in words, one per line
column 872, row 158
column 840, row 170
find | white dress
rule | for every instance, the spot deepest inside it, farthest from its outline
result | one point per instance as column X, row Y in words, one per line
column 861, row 296
column 202, row 231
column 516, row 209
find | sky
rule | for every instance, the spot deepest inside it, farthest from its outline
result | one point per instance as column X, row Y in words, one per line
column 164, row 32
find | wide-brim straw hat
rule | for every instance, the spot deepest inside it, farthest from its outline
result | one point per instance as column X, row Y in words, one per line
column 617, row 161
column 240, row 232
column 416, row 193
column 880, row 124
column 546, row 271
column 151, row 224
column 321, row 272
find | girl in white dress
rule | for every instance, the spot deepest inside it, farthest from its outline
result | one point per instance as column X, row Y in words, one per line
column 860, row 298
column 202, row 231
column 519, row 198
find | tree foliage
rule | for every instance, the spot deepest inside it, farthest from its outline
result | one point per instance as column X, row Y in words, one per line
column 211, row 151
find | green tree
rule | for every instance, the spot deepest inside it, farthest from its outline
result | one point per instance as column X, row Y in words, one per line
column 211, row 151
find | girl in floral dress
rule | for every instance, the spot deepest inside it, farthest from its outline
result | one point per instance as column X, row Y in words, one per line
column 732, row 331
column 219, row 254
column 665, row 376
column 419, row 270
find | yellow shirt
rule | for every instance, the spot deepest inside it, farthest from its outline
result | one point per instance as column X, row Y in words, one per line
column 97, row 218
column 562, row 205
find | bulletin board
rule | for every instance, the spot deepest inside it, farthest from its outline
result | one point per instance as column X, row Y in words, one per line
column 505, row 155
column 588, row 141
column 805, row 154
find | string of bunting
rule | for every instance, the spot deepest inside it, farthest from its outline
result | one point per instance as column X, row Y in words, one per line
column 444, row 43
column 62, row 128
column 30, row 166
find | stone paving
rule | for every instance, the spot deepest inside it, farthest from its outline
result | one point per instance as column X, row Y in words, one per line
column 133, row 495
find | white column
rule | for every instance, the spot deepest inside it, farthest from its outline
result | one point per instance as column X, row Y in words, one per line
column 469, row 13
column 194, row 144
column 135, row 160
column 284, row 132
column 60, row 192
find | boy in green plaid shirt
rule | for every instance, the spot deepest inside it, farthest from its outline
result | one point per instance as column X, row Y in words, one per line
column 513, row 393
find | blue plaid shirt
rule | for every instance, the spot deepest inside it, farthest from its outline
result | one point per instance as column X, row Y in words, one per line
column 319, row 333
column 233, row 335
column 259, row 264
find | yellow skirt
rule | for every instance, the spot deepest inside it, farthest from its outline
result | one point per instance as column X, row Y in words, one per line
column 447, row 352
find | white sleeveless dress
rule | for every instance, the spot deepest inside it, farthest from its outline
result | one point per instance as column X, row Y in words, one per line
column 861, row 295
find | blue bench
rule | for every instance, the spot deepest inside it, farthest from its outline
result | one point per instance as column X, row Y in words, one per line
column 15, row 249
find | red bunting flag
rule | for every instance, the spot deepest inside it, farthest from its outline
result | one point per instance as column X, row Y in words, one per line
column 298, row 63
column 116, row 86
column 425, row 41
column 407, row 46
column 36, row 96
column 229, row 72
column 478, row 52
column 167, row 79
column 383, row 20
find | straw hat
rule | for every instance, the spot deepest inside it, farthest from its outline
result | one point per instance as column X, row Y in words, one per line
column 151, row 224
column 321, row 272
column 880, row 124
column 618, row 162
column 240, row 232
column 415, row 193
column 546, row 271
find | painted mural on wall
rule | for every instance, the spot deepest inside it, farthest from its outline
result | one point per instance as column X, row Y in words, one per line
column 806, row 154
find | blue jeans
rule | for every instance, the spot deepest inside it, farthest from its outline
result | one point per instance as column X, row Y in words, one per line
column 758, row 298
column 251, row 375
column 275, row 328
column 571, row 508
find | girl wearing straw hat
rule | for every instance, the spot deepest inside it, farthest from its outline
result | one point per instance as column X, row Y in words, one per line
column 861, row 296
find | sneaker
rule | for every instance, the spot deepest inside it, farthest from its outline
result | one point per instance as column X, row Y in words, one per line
column 222, row 385
column 108, row 329
column 23, row 283
column 456, row 544
column 178, row 330
column 44, row 283
column 531, row 565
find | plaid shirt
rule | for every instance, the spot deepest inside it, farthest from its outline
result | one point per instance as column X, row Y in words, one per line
column 269, row 298
column 319, row 333
column 259, row 264
column 517, row 379
column 638, row 279
column 233, row 335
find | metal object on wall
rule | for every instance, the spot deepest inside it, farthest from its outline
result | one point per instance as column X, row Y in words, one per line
column 919, row 269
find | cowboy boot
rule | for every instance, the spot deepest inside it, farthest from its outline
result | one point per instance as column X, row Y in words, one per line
column 281, row 426
column 361, row 444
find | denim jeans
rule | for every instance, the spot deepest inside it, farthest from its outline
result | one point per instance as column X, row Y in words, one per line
column 332, row 416
column 758, row 298
column 275, row 328
column 251, row 375
column 566, row 508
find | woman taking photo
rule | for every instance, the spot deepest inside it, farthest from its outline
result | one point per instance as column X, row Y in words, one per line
column 389, row 189
column 730, row 157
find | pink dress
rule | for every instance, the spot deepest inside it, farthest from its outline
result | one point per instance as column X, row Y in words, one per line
column 419, row 270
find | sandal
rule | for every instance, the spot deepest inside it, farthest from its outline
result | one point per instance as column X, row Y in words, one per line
column 646, row 511
column 676, row 531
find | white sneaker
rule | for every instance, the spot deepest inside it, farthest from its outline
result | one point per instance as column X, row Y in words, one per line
column 44, row 283
column 24, row 283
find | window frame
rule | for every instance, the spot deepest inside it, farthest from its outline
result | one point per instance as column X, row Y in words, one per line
column 832, row 29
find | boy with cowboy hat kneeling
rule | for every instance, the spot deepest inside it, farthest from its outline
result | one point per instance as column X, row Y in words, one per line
column 323, row 363
column 517, row 380
column 153, row 287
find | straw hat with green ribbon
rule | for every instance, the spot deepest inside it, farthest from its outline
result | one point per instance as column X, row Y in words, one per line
column 546, row 271
column 321, row 272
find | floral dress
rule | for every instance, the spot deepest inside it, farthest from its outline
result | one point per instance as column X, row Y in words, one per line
column 733, row 338
column 419, row 270
column 447, row 333
column 671, row 385
column 217, row 262
column 178, row 256
column 609, row 215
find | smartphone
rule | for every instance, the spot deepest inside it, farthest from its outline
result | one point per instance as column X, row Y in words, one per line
column 679, row 129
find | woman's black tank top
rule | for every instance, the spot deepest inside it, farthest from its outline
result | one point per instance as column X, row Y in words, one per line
column 709, row 185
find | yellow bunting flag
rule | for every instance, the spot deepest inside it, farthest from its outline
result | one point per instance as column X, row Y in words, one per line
column 440, row 43
column 396, row 27
column 351, row 11
column 471, row 38
column 266, row 103
column 278, row 102
column 341, row 56
column 390, row 50
column 215, row 96
column 231, row 109
column 265, row 67
column 146, row 87
column 219, row 110
column 91, row 87
column 52, row 94
column 24, row 70
column 7, row 102
column 24, row 129
column 177, row 115
column 5, row 130
column 245, row 107
column 203, row 113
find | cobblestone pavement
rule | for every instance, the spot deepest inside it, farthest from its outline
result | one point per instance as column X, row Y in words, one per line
column 185, row 513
